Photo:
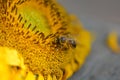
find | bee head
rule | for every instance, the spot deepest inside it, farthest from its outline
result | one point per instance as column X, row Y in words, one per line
column 69, row 42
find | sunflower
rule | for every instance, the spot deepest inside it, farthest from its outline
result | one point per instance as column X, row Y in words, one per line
column 51, row 44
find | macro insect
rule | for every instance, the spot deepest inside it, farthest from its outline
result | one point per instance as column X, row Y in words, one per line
column 51, row 42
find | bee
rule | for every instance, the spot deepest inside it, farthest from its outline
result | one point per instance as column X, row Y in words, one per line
column 67, row 41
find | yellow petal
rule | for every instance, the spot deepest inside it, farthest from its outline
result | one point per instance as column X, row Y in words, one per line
column 74, row 65
column 30, row 76
column 9, row 61
column 54, row 77
column 68, row 71
column 4, row 71
column 49, row 77
column 40, row 77
column 11, row 56
column 112, row 42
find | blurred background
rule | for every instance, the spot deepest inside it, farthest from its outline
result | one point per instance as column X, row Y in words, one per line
column 100, row 17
